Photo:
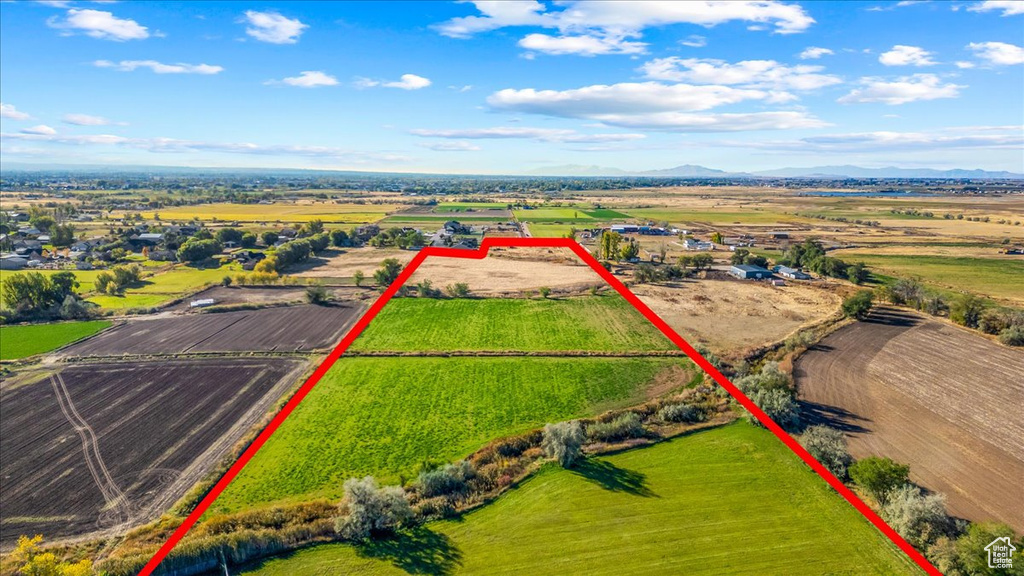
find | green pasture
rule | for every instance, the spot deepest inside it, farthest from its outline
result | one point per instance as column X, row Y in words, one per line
column 20, row 341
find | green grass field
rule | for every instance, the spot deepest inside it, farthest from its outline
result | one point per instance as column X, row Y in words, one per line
column 469, row 206
column 995, row 278
column 384, row 416
column 731, row 500
column 22, row 341
column 676, row 216
column 280, row 211
column 549, row 230
column 166, row 286
column 85, row 278
column 602, row 323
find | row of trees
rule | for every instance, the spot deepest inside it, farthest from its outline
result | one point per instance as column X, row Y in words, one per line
column 35, row 295
column 810, row 254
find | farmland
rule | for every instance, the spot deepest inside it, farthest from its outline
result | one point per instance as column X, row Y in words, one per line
column 671, row 506
column 284, row 329
column 165, row 286
column 384, row 416
column 146, row 432
column 279, row 212
column 21, row 341
column 965, row 438
column 512, row 271
column 588, row 323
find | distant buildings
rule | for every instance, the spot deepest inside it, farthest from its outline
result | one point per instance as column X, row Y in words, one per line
column 750, row 272
column 698, row 245
column 792, row 273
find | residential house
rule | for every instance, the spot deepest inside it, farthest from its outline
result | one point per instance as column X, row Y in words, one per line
column 698, row 245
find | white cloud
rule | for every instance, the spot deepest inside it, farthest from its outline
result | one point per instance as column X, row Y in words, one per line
column 654, row 106
column 456, row 146
column 159, row 67
column 273, row 28
column 407, row 82
column 963, row 65
column 11, row 113
column 87, row 120
column 902, row 90
column 1008, row 7
column 99, row 24
column 998, row 53
column 694, row 41
column 539, row 134
column 41, row 129
column 906, row 56
column 307, row 79
column 750, row 73
column 173, row 145
column 590, row 28
column 583, row 45
column 465, row 88
column 814, row 52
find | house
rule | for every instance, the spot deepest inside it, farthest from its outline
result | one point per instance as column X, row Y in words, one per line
column 12, row 262
column 162, row 255
column 792, row 273
column 29, row 231
column 779, row 235
column 288, row 233
column 147, row 239
column 364, row 233
column 455, row 227
column 84, row 265
column 625, row 228
column 750, row 272
column 700, row 245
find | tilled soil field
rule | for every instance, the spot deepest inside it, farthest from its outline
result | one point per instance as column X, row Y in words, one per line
column 285, row 329
column 258, row 295
column 103, row 447
column 931, row 395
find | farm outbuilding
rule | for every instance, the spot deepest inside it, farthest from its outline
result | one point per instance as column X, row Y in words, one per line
column 749, row 272
column 792, row 273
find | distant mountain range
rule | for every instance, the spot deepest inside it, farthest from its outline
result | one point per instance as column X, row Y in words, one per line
column 693, row 171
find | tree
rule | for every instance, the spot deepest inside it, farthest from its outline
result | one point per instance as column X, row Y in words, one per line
column 967, row 310
column 339, row 237
column 858, row 273
column 739, row 256
column 717, row 238
column 388, row 272
column 702, row 262
column 609, row 244
column 248, row 240
column 62, row 235
column 268, row 238
column 34, row 293
column 879, row 476
column 197, row 250
column 779, row 405
column 225, row 235
column 564, row 442
column 828, row 446
column 72, row 308
column 44, row 223
column 544, row 291
column 226, row 280
column 629, row 251
column 1012, row 336
column 971, row 548
column 358, row 277
column 315, row 226
column 858, row 305
column 372, row 510
column 921, row 519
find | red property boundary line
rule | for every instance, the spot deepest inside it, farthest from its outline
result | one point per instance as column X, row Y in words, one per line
column 619, row 287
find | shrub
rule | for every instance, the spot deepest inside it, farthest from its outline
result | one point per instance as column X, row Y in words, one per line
column 72, row 308
column 372, row 510
column 544, row 291
column 779, row 405
column 1012, row 336
column 828, row 446
column 971, row 548
column 248, row 240
column 680, row 413
column 450, row 479
column 194, row 250
column 564, row 442
column 457, row 290
column 358, row 277
column 226, row 280
column 771, row 377
column 388, row 272
column 625, row 426
column 966, row 310
column 268, row 238
column 317, row 294
column 426, row 290
column 858, row 305
column 879, row 476
column 920, row 519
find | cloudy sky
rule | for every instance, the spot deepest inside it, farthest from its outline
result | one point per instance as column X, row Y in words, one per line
column 510, row 87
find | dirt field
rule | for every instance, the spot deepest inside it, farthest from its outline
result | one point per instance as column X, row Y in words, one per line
column 264, row 295
column 734, row 315
column 107, row 446
column 509, row 271
column 931, row 395
column 344, row 264
column 284, row 329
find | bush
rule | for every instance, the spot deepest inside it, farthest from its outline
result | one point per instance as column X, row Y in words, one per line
column 779, row 405
column 73, row 309
column 457, row 290
column 966, row 310
column 372, row 510
column 680, row 413
column 248, row 240
column 920, row 519
column 426, row 290
column 448, row 480
column 1012, row 336
column 317, row 294
column 828, row 446
column 388, row 272
column 879, row 476
column 771, row 377
column 564, row 442
column 858, row 305
column 268, row 238
column 625, row 426
column 544, row 291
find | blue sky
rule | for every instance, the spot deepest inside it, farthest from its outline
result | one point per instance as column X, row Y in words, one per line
column 513, row 87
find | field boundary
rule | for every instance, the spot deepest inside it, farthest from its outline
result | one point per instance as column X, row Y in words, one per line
column 619, row 287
